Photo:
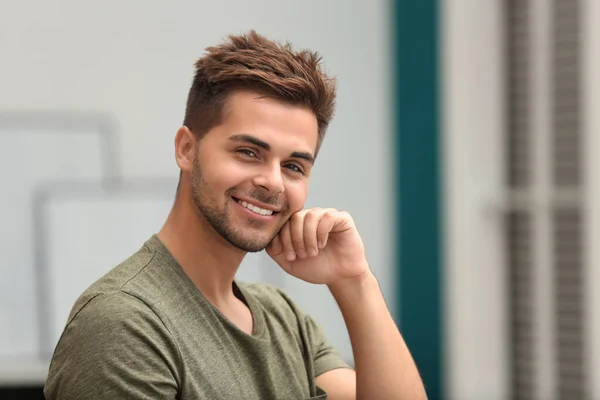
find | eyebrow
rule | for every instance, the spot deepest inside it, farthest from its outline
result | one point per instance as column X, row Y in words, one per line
column 264, row 145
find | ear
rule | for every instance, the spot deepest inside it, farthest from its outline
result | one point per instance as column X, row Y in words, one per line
column 185, row 148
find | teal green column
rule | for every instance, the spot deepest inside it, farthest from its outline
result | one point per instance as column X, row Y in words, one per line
column 418, row 185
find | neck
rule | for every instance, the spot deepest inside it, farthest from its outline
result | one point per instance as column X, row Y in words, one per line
column 206, row 257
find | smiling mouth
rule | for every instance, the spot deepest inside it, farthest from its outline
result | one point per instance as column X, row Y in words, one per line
column 255, row 209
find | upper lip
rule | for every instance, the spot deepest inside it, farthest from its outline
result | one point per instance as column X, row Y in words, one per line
column 257, row 204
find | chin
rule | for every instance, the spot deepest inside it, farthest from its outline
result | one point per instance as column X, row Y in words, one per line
column 249, row 243
column 254, row 249
column 251, row 247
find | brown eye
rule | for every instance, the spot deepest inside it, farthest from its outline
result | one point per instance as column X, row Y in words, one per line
column 294, row 168
column 247, row 153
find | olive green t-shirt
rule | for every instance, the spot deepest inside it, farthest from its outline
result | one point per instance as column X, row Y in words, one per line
column 144, row 331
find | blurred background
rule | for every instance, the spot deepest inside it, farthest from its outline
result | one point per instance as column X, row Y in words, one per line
column 463, row 146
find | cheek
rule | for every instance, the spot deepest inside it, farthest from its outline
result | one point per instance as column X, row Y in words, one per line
column 223, row 175
column 296, row 195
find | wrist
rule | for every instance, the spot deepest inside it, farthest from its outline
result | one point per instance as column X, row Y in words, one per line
column 354, row 285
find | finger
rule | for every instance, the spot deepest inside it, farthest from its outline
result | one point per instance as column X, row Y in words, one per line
column 311, row 222
column 275, row 247
column 343, row 222
column 326, row 224
column 297, row 232
column 286, row 242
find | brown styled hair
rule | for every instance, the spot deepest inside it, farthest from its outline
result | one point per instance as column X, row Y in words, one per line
column 252, row 62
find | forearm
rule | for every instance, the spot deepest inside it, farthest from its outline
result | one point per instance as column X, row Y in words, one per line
column 384, row 367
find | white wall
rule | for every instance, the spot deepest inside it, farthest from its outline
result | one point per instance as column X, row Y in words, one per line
column 133, row 61
column 472, row 75
column 591, row 143
column 477, row 344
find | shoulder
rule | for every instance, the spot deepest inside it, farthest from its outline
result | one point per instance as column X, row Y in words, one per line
column 111, row 326
column 112, row 323
column 111, row 314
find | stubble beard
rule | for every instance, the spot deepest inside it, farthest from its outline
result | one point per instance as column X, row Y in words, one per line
column 220, row 219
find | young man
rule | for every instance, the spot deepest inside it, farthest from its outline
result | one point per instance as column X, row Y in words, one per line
column 170, row 322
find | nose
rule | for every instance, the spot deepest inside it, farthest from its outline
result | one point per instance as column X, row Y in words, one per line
column 269, row 178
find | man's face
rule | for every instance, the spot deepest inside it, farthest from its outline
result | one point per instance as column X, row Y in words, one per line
column 252, row 171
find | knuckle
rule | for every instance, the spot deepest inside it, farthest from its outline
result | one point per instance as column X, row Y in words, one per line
column 297, row 217
column 346, row 215
column 312, row 212
column 329, row 215
column 313, row 216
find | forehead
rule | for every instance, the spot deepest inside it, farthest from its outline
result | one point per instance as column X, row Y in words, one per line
column 273, row 121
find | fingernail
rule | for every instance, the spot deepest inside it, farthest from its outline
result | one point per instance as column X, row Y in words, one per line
column 290, row 256
column 301, row 253
column 312, row 252
column 321, row 245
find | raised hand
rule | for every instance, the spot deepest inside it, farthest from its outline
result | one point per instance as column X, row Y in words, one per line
column 320, row 245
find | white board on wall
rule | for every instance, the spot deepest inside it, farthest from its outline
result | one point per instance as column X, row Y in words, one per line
column 29, row 158
column 88, row 230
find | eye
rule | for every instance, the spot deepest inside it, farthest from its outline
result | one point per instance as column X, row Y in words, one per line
column 247, row 153
column 294, row 168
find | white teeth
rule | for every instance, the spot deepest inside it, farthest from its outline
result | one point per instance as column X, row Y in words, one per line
column 255, row 209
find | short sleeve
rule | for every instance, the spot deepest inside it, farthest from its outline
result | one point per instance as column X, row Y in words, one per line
column 325, row 356
column 114, row 347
